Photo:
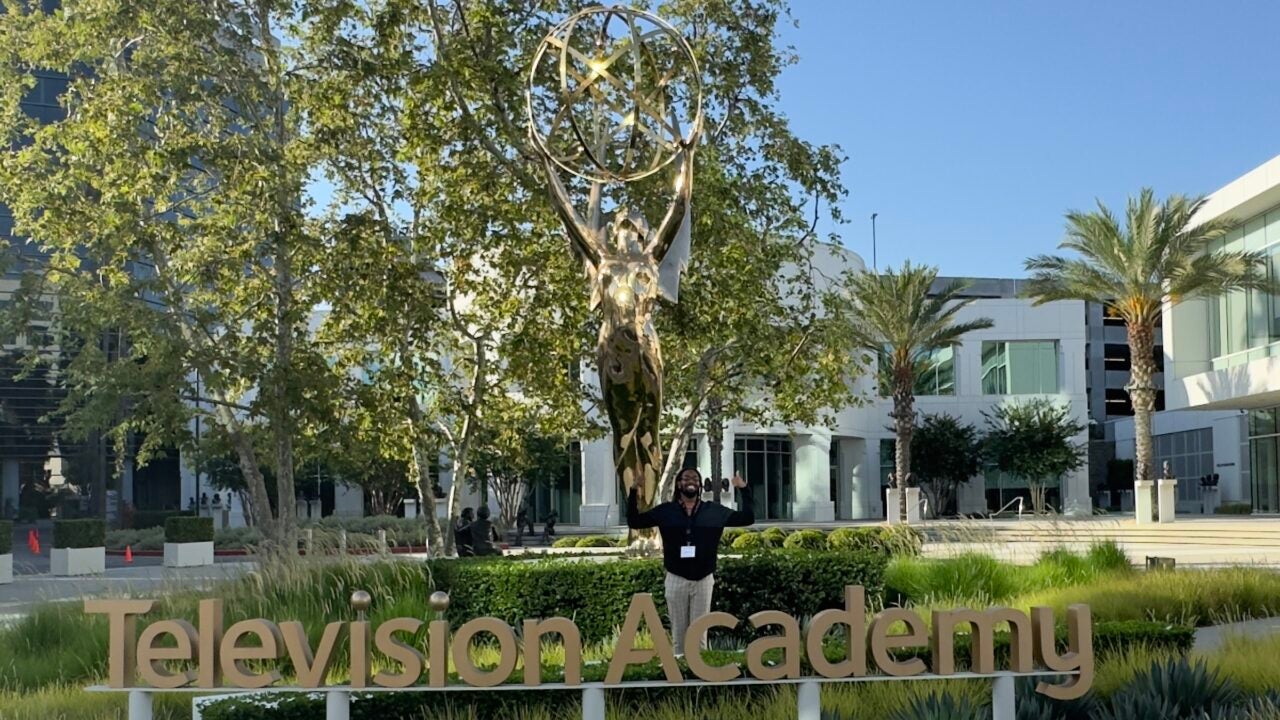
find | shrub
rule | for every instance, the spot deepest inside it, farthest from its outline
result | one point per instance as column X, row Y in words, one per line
column 806, row 540
column 1234, row 508
column 188, row 530
column 750, row 541
column 149, row 539
column 597, row 541
column 729, row 535
column 6, row 537
column 859, row 538
column 901, row 540
column 87, row 533
column 236, row 538
column 144, row 519
column 970, row 577
column 1173, row 689
column 565, row 542
column 775, row 536
column 1107, row 556
column 942, row 706
column 596, row 595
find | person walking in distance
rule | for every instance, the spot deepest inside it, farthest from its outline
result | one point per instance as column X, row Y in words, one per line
column 691, row 530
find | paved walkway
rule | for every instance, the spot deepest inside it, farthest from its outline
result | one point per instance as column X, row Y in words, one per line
column 1212, row 638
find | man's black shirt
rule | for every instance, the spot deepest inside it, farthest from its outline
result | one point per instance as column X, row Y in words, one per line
column 702, row 530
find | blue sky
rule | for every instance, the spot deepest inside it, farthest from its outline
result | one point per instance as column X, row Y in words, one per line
column 970, row 127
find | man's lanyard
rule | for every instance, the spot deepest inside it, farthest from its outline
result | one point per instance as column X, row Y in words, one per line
column 688, row 530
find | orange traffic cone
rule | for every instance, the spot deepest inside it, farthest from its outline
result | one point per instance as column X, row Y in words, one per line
column 31, row 540
column 128, row 553
column 36, row 548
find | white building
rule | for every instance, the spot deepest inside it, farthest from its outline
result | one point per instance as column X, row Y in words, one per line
column 1222, row 366
column 820, row 474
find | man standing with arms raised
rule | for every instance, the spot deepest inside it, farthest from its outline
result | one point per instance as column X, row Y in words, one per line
column 691, row 530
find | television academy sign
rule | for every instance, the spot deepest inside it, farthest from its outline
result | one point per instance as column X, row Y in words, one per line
column 171, row 654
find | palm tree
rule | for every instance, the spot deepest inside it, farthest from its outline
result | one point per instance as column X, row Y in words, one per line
column 1161, row 254
column 900, row 319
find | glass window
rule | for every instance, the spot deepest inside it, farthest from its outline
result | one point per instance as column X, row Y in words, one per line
column 937, row 373
column 765, row 462
column 1190, row 456
column 887, row 450
column 1020, row 368
column 690, row 455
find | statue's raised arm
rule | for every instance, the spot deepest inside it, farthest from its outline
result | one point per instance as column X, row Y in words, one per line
column 580, row 234
column 671, row 224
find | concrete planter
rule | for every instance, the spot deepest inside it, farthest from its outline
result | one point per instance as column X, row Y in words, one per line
column 913, row 506
column 78, row 561
column 6, row 568
column 1210, row 499
column 193, row 554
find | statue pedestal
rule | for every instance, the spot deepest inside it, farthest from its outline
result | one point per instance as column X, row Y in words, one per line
column 1167, row 489
column 410, row 508
column 893, row 506
column 913, row 506
column 1143, row 507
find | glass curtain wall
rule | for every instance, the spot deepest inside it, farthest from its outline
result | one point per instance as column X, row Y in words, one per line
column 1264, row 457
column 1019, row 368
column 1246, row 324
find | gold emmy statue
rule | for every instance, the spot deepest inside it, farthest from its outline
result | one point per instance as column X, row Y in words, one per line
column 607, row 90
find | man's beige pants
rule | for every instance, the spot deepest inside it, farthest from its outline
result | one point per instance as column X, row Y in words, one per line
column 687, row 600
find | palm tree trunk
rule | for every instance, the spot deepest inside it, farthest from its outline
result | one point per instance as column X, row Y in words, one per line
column 904, row 425
column 1142, row 393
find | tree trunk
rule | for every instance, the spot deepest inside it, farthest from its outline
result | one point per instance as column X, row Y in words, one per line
column 426, row 493
column 904, row 426
column 715, row 443
column 1142, row 393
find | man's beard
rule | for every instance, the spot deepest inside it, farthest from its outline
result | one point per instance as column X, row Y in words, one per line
column 689, row 491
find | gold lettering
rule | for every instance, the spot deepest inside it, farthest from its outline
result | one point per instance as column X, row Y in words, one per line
column 854, row 616
column 982, row 639
column 698, row 628
column 121, row 630
column 151, row 655
column 507, row 652
column 234, row 656
column 1079, row 654
column 407, row 655
column 210, row 669
column 438, row 647
column 788, row 642
column 642, row 610
column 359, row 637
column 569, row 635
column 882, row 642
column 311, row 671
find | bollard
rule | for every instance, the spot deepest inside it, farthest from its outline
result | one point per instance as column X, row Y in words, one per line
column 382, row 541
column 310, row 541
column 342, row 542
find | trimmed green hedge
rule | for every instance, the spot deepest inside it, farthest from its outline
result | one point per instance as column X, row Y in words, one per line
column 6, row 537
column 570, row 541
column 144, row 519
column 597, row 541
column 1234, row 508
column 596, row 595
column 806, row 540
column 750, row 541
column 188, row 530
column 79, row 533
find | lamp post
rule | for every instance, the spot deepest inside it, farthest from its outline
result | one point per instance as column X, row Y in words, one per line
column 874, row 265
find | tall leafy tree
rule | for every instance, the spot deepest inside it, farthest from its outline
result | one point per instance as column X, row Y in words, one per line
column 1158, row 252
column 948, row 454
column 897, row 317
column 433, row 166
column 169, row 204
column 1034, row 440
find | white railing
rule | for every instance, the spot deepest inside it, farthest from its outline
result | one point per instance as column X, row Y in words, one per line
column 1016, row 501
column 808, row 707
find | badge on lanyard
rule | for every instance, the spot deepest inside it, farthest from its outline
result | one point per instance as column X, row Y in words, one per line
column 688, row 551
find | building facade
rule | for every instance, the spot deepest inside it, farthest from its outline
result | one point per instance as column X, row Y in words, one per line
column 825, row 474
column 1222, row 366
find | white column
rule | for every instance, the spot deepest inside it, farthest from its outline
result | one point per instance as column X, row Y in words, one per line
column 593, row 703
column 10, row 486
column 914, row 510
column 853, row 478
column 139, row 705
column 726, row 465
column 893, row 505
column 1075, row 494
column 704, row 454
column 813, row 477
column 808, row 701
column 1004, row 699
column 337, row 705
column 599, row 484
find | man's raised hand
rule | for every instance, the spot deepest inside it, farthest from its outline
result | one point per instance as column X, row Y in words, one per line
column 738, row 482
